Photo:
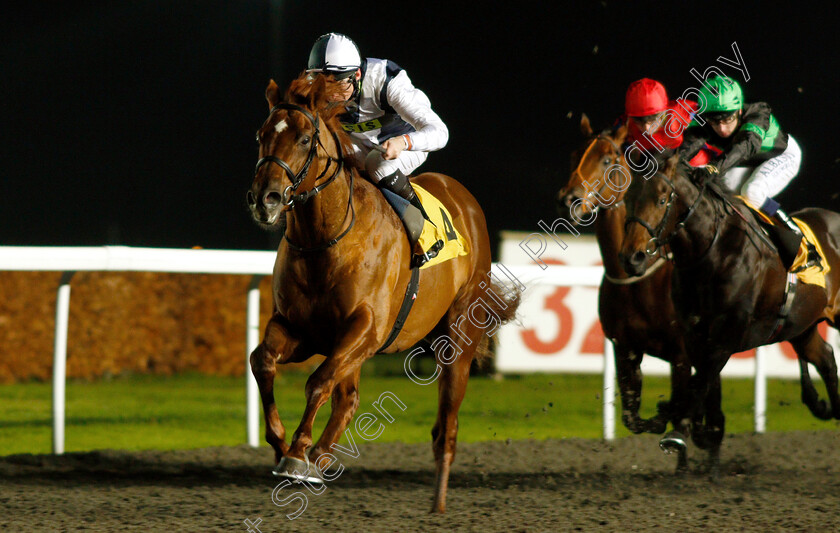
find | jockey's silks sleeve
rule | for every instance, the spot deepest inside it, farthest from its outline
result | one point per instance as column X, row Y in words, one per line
column 414, row 107
column 757, row 139
column 388, row 106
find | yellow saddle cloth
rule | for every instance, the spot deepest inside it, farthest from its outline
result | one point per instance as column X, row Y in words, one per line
column 811, row 275
column 454, row 243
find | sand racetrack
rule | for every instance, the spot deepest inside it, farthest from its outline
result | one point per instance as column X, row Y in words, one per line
column 775, row 482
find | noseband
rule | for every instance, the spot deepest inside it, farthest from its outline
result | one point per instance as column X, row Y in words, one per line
column 292, row 200
column 289, row 198
column 657, row 239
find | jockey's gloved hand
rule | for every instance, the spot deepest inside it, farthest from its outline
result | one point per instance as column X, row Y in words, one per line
column 712, row 169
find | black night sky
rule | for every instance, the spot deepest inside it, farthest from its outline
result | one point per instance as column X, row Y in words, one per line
column 133, row 122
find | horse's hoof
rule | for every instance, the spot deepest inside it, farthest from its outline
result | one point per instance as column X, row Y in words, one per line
column 298, row 470
column 672, row 442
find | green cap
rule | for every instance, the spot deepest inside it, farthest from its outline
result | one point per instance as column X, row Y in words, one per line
column 729, row 95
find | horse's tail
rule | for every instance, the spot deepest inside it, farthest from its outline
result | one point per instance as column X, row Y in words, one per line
column 502, row 302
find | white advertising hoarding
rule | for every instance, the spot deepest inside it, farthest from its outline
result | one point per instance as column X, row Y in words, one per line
column 559, row 330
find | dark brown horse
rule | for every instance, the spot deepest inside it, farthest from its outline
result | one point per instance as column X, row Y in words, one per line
column 637, row 313
column 729, row 287
column 341, row 275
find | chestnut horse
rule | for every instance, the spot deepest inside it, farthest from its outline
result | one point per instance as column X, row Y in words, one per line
column 637, row 313
column 729, row 287
column 341, row 276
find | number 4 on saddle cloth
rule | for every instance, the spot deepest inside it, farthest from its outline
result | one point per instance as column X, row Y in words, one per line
column 814, row 274
column 439, row 238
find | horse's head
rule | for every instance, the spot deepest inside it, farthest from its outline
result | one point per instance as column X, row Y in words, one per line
column 592, row 165
column 657, row 208
column 296, row 147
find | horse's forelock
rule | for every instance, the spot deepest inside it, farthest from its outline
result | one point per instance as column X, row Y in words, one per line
column 310, row 92
column 300, row 90
column 671, row 165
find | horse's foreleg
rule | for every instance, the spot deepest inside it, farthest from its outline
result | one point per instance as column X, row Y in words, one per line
column 345, row 401
column 353, row 348
column 680, row 393
column 264, row 367
column 629, row 373
column 713, row 427
column 452, row 386
column 811, row 348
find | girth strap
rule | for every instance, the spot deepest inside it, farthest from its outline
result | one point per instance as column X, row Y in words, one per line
column 791, row 282
column 405, row 308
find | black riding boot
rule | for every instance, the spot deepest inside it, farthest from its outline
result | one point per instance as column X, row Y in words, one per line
column 412, row 215
column 792, row 242
column 398, row 184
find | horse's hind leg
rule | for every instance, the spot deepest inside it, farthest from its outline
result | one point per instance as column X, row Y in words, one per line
column 345, row 402
column 264, row 367
column 452, row 385
column 811, row 348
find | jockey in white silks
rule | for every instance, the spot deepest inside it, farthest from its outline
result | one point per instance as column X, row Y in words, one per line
column 390, row 122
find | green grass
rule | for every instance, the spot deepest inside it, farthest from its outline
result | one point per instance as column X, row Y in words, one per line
column 190, row 411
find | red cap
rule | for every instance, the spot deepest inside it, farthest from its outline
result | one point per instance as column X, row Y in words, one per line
column 645, row 97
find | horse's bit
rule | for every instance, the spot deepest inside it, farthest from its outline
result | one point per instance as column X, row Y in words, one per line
column 289, row 198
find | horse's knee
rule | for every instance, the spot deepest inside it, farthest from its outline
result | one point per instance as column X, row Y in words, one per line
column 262, row 363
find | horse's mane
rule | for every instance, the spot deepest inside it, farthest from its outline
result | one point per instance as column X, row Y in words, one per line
column 678, row 166
column 311, row 91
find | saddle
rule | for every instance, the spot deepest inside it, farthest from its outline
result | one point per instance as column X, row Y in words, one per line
column 440, row 235
column 799, row 265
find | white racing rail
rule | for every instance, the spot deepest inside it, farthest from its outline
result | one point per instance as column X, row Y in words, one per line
column 258, row 264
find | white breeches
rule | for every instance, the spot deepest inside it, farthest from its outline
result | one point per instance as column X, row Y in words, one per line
column 377, row 167
column 767, row 179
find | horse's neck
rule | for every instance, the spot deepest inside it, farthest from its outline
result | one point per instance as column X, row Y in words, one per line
column 609, row 229
column 325, row 215
column 700, row 237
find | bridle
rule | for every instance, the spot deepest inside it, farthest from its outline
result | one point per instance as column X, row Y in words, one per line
column 604, row 184
column 293, row 200
column 657, row 240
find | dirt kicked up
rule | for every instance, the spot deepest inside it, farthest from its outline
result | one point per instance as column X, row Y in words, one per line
column 775, row 482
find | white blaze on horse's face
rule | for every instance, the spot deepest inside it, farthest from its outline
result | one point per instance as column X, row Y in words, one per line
column 281, row 126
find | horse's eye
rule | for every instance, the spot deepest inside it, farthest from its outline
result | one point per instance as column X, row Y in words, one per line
column 305, row 140
column 606, row 160
column 662, row 201
column 258, row 137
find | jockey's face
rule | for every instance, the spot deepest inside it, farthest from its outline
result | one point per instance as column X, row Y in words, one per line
column 341, row 90
column 648, row 124
column 725, row 127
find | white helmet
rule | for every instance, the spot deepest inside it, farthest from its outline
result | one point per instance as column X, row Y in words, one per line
column 334, row 53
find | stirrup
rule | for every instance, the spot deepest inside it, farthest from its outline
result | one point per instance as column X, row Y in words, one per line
column 418, row 260
column 813, row 259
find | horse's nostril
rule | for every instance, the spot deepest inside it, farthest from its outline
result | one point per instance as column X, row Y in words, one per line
column 638, row 258
column 249, row 197
column 272, row 199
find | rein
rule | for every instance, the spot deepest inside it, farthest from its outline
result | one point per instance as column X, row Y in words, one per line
column 292, row 200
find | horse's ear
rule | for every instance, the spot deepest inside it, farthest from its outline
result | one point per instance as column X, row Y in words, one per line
column 585, row 127
column 620, row 134
column 272, row 94
column 300, row 90
column 318, row 96
column 671, row 165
